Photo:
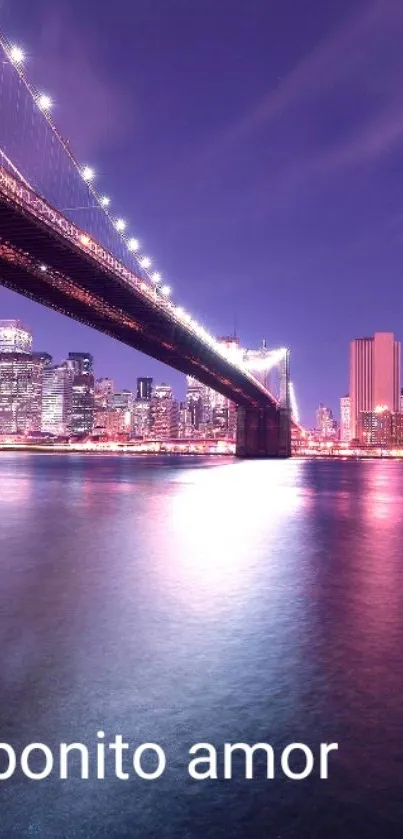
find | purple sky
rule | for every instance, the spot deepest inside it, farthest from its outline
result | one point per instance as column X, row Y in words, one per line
column 257, row 150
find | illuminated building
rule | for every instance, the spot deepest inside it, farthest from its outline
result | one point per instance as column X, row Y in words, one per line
column 374, row 377
column 144, row 388
column 345, row 423
column 164, row 414
column 20, row 393
column 57, row 399
column 142, row 418
column 80, row 362
column 197, row 408
column 14, row 337
column 381, row 428
column 103, row 392
column 326, row 427
column 122, row 412
column 82, row 407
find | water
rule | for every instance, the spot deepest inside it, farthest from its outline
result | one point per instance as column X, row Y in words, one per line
column 179, row 600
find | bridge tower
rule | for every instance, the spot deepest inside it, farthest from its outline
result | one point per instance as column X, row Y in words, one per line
column 266, row 431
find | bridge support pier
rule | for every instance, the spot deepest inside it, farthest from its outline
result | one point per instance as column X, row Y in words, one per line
column 263, row 432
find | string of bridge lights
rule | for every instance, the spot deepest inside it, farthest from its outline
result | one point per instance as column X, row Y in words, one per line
column 45, row 104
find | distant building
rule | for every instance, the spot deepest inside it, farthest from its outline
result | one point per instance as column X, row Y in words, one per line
column 345, row 419
column 380, row 428
column 142, row 418
column 83, row 389
column 80, row 362
column 103, row 392
column 374, row 377
column 326, row 427
column 20, row 393
column 14, row 337
column 210, row 414
column 57, row 400
column 164, row 414
column 144, row 388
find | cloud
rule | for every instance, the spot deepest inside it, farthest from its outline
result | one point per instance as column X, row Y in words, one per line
column 338, row 59
column 89, row 105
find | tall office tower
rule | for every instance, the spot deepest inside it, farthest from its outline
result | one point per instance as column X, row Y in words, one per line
column 144, row 388
column 82, row 408
column 20, row 393
column 164, row 413
column 14, row 337
column 345, row 421
column 196, row 398
column 325, row 425
column 374, row 376
column 142, row 418
column 103, row 392
column 80, row 362
column 401, row 402
column 122, row 411
column 57, row 399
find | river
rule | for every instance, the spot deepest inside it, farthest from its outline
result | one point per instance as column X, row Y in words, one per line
column 179, row 600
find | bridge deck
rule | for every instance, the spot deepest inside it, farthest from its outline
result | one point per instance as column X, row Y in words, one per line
column 80, row 285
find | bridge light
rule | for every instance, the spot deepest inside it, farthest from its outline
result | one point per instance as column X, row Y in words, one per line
column 156, row 277
column 120, row 225
column 145, row 261
column 165, row 290
column 88, row 174
column 105, row 201
column 133, row 245
column 43, row 268
column 84, row 239
column 17, row 54
column 44, row 102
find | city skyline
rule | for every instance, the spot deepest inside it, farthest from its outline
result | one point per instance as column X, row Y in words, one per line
column 344, row 230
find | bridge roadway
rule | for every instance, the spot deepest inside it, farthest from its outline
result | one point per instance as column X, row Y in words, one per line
column 47, row 258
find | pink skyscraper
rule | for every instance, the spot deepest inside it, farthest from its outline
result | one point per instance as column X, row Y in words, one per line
column 374, row 375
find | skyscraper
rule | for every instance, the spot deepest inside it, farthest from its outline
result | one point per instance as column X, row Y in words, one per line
column 57, row 399
column 325, row 424
column 345, row 420
column 82, row 409
column 20, row 393
column 144, row 388
column 80, row 362
column 374, row 376
column 164, row 413
column 103, row 392
column 14, row 337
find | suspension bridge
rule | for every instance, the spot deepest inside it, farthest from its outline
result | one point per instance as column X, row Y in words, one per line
column 95, row 272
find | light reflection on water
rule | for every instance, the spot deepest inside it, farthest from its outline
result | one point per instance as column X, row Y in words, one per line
column 179, row 600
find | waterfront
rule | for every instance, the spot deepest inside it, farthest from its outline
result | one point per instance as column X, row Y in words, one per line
column 178, row 600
